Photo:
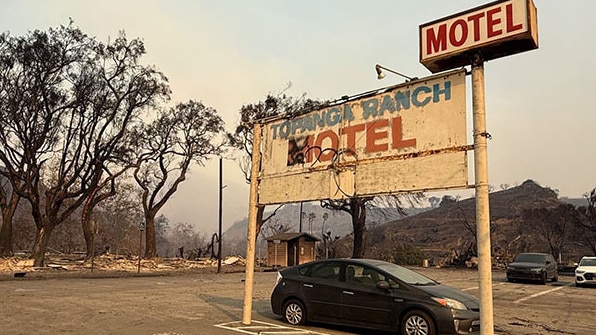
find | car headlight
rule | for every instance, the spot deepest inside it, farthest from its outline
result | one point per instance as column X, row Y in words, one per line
column 451, row 303
column 579, row 272
column 536, row 270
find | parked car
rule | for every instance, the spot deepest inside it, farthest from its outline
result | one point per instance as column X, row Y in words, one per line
column 585, row 273
column 372, row 294
column 533, row 266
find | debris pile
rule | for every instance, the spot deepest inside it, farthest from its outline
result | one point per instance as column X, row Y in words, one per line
column 113, row 263
column 14, row 264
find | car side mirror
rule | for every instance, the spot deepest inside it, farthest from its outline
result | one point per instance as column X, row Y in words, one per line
column 383, row 284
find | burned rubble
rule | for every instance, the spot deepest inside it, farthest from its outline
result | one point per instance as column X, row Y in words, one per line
column 111, row 264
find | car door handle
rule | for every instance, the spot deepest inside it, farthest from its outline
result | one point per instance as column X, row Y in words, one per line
column 307, row 285
column 348, row 292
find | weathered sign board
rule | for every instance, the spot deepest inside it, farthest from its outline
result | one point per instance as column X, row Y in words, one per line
column 408, row 137
column 495, row 30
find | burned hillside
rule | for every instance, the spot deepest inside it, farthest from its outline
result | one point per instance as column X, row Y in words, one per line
column 446, row 234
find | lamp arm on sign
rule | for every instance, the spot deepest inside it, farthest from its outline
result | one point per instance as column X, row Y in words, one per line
column 381, row 75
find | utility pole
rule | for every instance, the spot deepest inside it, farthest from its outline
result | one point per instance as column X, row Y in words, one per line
column 219, row 239
column 142, row 226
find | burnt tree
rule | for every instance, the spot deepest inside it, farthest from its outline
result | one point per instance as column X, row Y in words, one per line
column 68, row 101
column 187, row 133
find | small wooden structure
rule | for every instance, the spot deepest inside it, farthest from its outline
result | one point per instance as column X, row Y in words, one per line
column 289, row 249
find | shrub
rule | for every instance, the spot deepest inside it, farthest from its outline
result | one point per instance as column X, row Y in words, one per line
column 405, row 254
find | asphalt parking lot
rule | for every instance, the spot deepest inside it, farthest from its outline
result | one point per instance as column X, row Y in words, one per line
column 209, row 303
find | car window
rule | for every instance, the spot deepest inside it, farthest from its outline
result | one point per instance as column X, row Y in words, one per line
column 324, row 271
column 367, row 276
column 530, row 258
column 357, row 274
column 406, row 275
column 588, row 262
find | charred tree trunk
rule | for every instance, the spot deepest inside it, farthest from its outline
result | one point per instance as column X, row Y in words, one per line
column 150, row 235
column 359, row 225
column 6, row 235
column 356, row 208
column 41, row 244
column 42, row 235
column 87, row 229
column 260, row 221
column 8, row 210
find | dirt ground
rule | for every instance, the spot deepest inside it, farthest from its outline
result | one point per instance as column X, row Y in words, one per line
column 172, row 297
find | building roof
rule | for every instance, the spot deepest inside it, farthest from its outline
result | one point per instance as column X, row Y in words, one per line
column 289, row 236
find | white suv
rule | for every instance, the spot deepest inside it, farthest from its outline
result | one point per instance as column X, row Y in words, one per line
column 585, row 273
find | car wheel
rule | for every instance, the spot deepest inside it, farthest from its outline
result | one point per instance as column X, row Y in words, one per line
column 417, row 323
column 556, row 277
column 511, row 280
column 543, row 278
column 294, row 313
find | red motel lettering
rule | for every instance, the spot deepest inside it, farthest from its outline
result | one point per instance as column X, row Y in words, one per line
column 491, row 23
column 380, row 135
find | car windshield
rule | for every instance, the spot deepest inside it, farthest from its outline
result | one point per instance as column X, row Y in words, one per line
column 530, row 258
column 588, row 262
column 406, row 275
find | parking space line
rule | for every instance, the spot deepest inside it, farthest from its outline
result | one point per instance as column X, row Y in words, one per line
column 476, row 287
column 539, row 294
column 464, row 279
column 260, row 327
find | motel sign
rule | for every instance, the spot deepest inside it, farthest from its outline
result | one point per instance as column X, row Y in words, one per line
column 497, row 29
